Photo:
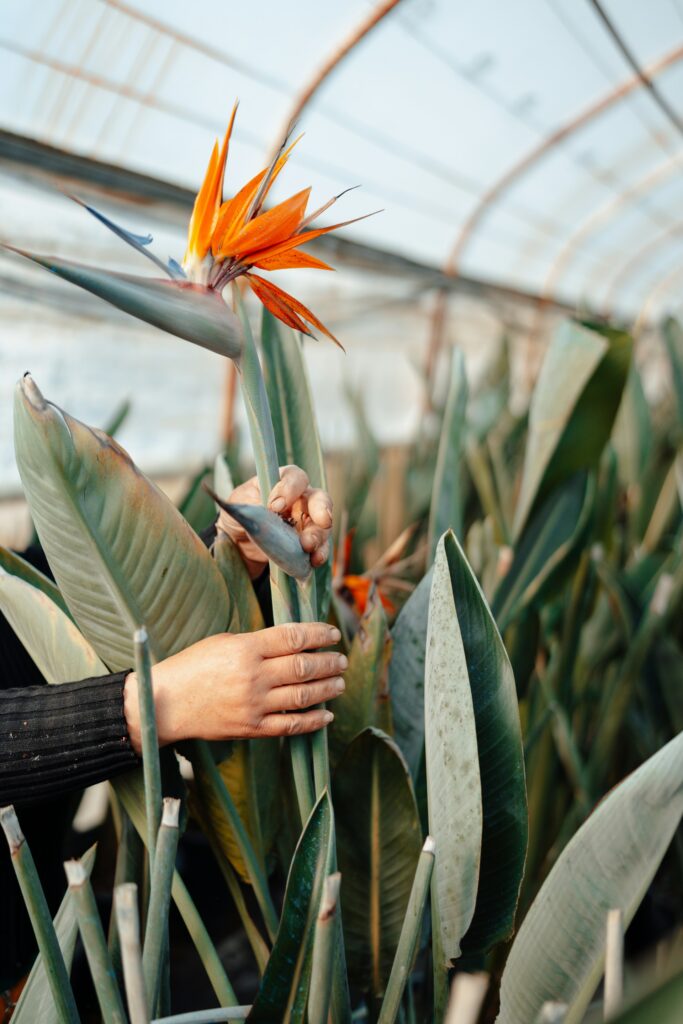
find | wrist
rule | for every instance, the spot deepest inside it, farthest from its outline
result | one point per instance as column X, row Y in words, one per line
column 167, row 729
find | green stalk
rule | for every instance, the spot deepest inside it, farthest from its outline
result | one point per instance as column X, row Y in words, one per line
column 322, row 967
column 203, row 944
column 129, row 862
column 41, row 920
column 410, row 935
column 255, row 871
column 207, row 1016
column 94, row 943
column 156, row 932
column 126, row 909
column 150, row 741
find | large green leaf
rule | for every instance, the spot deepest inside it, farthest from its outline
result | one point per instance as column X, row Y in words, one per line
column 294, row 420
column 13, row 563
column 662, row 1006
column 365, row 701
column 475, row 763
column 121, row 553
column 379, row 834
column 632, row 435
column 55, row 644
column 284, row 986
column 407, row 673
column 447, row 499
column 36, row 1002
column 672, row 332
column 572, row 409
column 560, row 949
column 551, row 535
column 189, row 311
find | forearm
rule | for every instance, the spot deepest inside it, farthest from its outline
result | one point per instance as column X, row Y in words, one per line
column 59, row 738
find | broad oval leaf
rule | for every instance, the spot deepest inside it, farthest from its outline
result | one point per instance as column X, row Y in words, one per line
column 55, row 644
column 365, row 701
column 284, row 987
column 36, row 1002
column 553, row 532
column 380, row 839
column 121, row 553
column 610, row 862
column 573, row 408
column 407, row 673
column 465, row 654
column 189, row 311
column 14, row 564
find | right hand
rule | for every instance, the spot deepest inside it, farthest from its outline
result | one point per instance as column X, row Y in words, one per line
column 237, row 686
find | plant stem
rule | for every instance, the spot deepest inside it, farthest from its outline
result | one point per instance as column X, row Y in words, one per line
column 203, row 944
column 410, row 935
column 156, row 932
column 322, row 968
column 129, row 862
column 94, row 943
column 126, row 908
column 207, row 1016
column 41, row 920
column 254, row 869
column 150, row 742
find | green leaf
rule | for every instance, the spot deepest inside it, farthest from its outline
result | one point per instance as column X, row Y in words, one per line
column 189, row 311
column 662, row 1006
column 560, row 949
column 573, row 408
column 365, row 701
column 447, row 500
column 294, row 420
column 276, row 538
column 379, row 842
column 13, row 563
column 36, row 1002
column 542, row 552
column 632, row 434
column 196, row 506
column 54, row 643
column 122, row 555
column 284, row 987
column 672, row 333
column 475, row 761
column 407, row 673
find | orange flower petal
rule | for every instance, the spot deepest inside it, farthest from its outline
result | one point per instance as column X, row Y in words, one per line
column 292, row 260
column 233, row 213
column 208, row 201
column 275, row 304
column 277, row 296
column 270, row 228
column 305, row 236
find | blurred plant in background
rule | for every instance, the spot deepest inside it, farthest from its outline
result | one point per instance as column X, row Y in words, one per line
column 514, row 653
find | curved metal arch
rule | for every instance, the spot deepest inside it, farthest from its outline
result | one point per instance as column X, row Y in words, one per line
column 634, row 261
column 329, row 65
column 604, row 213
column 661, row 288
column 493, row 194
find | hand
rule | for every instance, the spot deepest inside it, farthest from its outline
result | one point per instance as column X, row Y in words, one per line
column 292, row 498
column 237, row 686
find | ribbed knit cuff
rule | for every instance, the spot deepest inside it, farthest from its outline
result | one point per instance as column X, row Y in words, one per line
column 58, row 738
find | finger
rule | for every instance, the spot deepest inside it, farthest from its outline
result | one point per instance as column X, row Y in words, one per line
column 293, row 483
column 312, row 537
column 320, row 508
column 293, row 724
column 305, row 695
column 320, row 556
column 293, row 637
column 303, row 667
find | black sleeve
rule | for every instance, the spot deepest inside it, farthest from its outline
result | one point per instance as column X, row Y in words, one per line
column 54, row 739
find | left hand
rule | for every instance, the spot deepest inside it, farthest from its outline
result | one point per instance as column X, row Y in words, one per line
column 294, row 499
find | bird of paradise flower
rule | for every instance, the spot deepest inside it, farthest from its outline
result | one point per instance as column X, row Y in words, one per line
column 226, row 241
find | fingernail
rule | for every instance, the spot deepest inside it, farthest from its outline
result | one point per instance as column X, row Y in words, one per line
column 278, row 505
column 335, row 635
column 339, row 685
column 327, row 717
column 343, row 661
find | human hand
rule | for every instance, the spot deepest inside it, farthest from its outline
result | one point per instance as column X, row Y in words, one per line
column 309, row 508
column 237, row 686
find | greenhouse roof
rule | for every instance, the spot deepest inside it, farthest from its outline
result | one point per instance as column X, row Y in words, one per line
column 535, row 144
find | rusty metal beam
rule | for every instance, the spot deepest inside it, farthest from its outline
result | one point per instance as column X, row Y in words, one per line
column 631, row 264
